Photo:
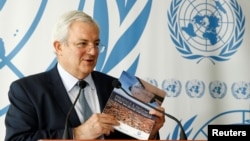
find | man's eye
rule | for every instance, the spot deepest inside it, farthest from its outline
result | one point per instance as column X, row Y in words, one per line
column 97, row 44
column 82, row 44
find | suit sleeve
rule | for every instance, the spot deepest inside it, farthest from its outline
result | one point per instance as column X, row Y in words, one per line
column 22, row 121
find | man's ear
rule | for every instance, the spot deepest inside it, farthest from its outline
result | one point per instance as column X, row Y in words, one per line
column 57, row 47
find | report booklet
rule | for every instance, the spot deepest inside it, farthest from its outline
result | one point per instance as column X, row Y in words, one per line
column 130, row 103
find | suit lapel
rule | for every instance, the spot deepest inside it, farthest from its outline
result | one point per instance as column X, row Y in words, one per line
column 61, row 97
column 102, row 92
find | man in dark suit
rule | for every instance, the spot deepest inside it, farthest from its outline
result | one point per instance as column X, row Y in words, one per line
column 39, row 103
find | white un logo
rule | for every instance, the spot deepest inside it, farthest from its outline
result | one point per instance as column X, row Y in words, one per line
column 206, row 29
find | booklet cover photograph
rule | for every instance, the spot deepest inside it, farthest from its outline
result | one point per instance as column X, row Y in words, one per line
column 130, row 103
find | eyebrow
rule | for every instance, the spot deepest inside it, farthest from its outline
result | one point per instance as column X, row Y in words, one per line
column 98, row 40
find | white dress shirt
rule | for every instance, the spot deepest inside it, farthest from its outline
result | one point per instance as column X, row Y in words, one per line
column 70, row 82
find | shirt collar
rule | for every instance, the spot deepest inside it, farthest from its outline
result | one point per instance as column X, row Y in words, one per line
column 69, row 81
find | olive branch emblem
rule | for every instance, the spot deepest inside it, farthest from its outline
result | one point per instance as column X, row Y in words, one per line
column 229, row 48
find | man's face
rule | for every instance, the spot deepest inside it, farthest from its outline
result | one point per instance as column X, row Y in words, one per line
column 79, row 54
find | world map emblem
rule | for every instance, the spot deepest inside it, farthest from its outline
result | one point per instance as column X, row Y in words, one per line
column 241, row 90
column 206, row 29
column 217, row 89
column 172, row 87
column 195, row 88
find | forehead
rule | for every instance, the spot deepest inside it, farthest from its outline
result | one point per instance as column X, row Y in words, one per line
column 83, row 30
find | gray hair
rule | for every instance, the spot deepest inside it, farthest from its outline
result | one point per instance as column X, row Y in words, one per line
column 60, row 31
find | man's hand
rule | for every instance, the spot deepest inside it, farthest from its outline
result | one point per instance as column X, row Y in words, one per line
column 159, row 122
column 95, row 126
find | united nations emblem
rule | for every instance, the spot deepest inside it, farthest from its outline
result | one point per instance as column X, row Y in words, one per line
column 206, row 29
column 217, row 89
column 195, row 88
column 172, row 87
column 241, row 90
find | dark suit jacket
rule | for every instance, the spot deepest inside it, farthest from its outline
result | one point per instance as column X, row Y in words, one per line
column 40, row 103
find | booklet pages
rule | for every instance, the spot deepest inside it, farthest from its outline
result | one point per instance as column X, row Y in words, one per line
column 129, row 107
